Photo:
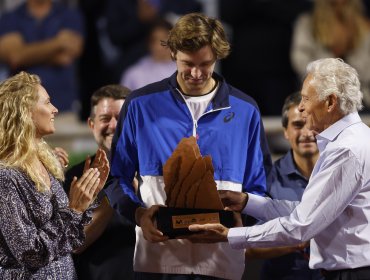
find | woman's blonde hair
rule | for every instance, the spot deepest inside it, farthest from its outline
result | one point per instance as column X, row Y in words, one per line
column 352, row 15
column 18, row 148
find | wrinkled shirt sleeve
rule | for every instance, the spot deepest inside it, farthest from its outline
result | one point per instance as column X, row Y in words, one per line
column 327, row 195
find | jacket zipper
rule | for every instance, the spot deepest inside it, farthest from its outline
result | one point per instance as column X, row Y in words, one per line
column 195, row 122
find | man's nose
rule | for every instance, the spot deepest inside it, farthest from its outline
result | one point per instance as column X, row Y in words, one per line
column 195, row 72
column 300, row 107
column 306, row 132
column 113, row 123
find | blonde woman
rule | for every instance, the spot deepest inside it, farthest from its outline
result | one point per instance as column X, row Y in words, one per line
column 39, row 225
column 335, row 28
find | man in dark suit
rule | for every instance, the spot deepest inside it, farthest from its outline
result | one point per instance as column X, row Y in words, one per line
column 110, row 239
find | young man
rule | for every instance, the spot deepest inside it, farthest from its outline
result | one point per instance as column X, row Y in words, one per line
column 334, row 212
column 194, row 101
column 108, row 250
column 287, row 181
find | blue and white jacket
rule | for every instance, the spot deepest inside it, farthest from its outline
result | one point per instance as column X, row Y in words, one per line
column 152, row 122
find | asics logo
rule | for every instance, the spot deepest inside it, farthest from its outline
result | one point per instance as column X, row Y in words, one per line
column 229, row 117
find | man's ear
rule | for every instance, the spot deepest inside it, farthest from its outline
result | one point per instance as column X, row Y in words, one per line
column 173, row 56
column 90, row 123
column 331, row 102
column 285, row 133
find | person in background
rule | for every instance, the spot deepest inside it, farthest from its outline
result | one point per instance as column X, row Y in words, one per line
column 334, row 212
column 287, row 181
column 129, row 23
column 44, row 37
column 108, row 251
column 155, row 66
column 193, row 101
column 335, row 28
column 5, row 6
column 40, row 225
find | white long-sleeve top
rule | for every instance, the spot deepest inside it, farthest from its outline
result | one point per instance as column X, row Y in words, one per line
column 334, row 212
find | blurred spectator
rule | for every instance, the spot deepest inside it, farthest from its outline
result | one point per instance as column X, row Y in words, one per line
column 8, row 5
column 129, row 22
column 335, row 28
column 259, row 63
column 5, row 6
column 155, row 66
column 44, row 37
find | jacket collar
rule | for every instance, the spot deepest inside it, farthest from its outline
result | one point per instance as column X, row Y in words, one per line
column 221, row 98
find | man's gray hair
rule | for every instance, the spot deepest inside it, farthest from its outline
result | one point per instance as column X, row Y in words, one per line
column 332, row 75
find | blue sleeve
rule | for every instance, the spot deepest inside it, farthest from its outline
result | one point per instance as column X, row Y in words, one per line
column 8, row 23
column 267, row 162
column 124, row 165
column 258, row 159
column 272, row 179
column 74, row 21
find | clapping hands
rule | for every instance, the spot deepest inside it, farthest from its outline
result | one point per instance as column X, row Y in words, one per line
column 84, row 190
column 101, row 163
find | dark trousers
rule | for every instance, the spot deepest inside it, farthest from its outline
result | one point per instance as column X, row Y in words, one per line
column 361, row 273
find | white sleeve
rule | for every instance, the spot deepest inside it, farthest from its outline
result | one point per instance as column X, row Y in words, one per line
column 265, row 209
column 327, row 195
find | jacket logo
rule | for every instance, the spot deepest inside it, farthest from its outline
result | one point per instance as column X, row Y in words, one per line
column 229, row 117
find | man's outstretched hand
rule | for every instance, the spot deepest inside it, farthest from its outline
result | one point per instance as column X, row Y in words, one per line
column 208, row 233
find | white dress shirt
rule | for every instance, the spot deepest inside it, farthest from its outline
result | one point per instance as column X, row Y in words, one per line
column 335, row 209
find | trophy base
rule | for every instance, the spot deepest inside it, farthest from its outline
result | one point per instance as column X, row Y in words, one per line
column 174, row 222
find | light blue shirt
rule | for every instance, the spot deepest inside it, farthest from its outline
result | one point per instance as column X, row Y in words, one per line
column 335, row 209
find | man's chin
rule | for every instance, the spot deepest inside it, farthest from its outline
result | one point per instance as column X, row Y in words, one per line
column 308, row 153
column 195, row 89
column 107, row 145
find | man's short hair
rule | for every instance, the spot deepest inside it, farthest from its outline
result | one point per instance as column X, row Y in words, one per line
column 291, row 100
column 114, row 91
column 194, row 31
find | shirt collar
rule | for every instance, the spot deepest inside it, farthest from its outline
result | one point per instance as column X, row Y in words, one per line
column 221, row 98
column 288, row 166
column 335, row 129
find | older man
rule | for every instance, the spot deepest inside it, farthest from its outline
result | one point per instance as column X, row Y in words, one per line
column 288, row 180
column 334, row 212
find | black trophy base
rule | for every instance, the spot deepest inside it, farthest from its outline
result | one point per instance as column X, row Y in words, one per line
column 174, row 222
